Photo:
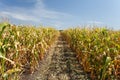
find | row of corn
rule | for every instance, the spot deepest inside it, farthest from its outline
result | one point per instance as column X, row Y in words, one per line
column 98, row 51
column 22, row 47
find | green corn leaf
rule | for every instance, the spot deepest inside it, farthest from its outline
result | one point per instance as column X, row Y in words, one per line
column 2, row 28
column 107, row 61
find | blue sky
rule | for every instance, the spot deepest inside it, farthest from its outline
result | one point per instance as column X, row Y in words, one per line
column 62, row 13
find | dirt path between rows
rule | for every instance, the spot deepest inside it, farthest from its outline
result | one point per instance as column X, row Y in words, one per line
column 60, row 63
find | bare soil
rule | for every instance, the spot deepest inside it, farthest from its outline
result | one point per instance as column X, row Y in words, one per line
column 60, row 63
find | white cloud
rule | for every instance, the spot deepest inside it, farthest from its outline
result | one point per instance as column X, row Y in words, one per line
column 39, row 13
column 23, row 17
column 95, row 22
column 39, row 4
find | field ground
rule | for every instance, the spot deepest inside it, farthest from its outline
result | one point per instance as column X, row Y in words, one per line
column 60, row 63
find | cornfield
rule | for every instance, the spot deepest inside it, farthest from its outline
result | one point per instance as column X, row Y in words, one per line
column 22, row 47
column 98, row 51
